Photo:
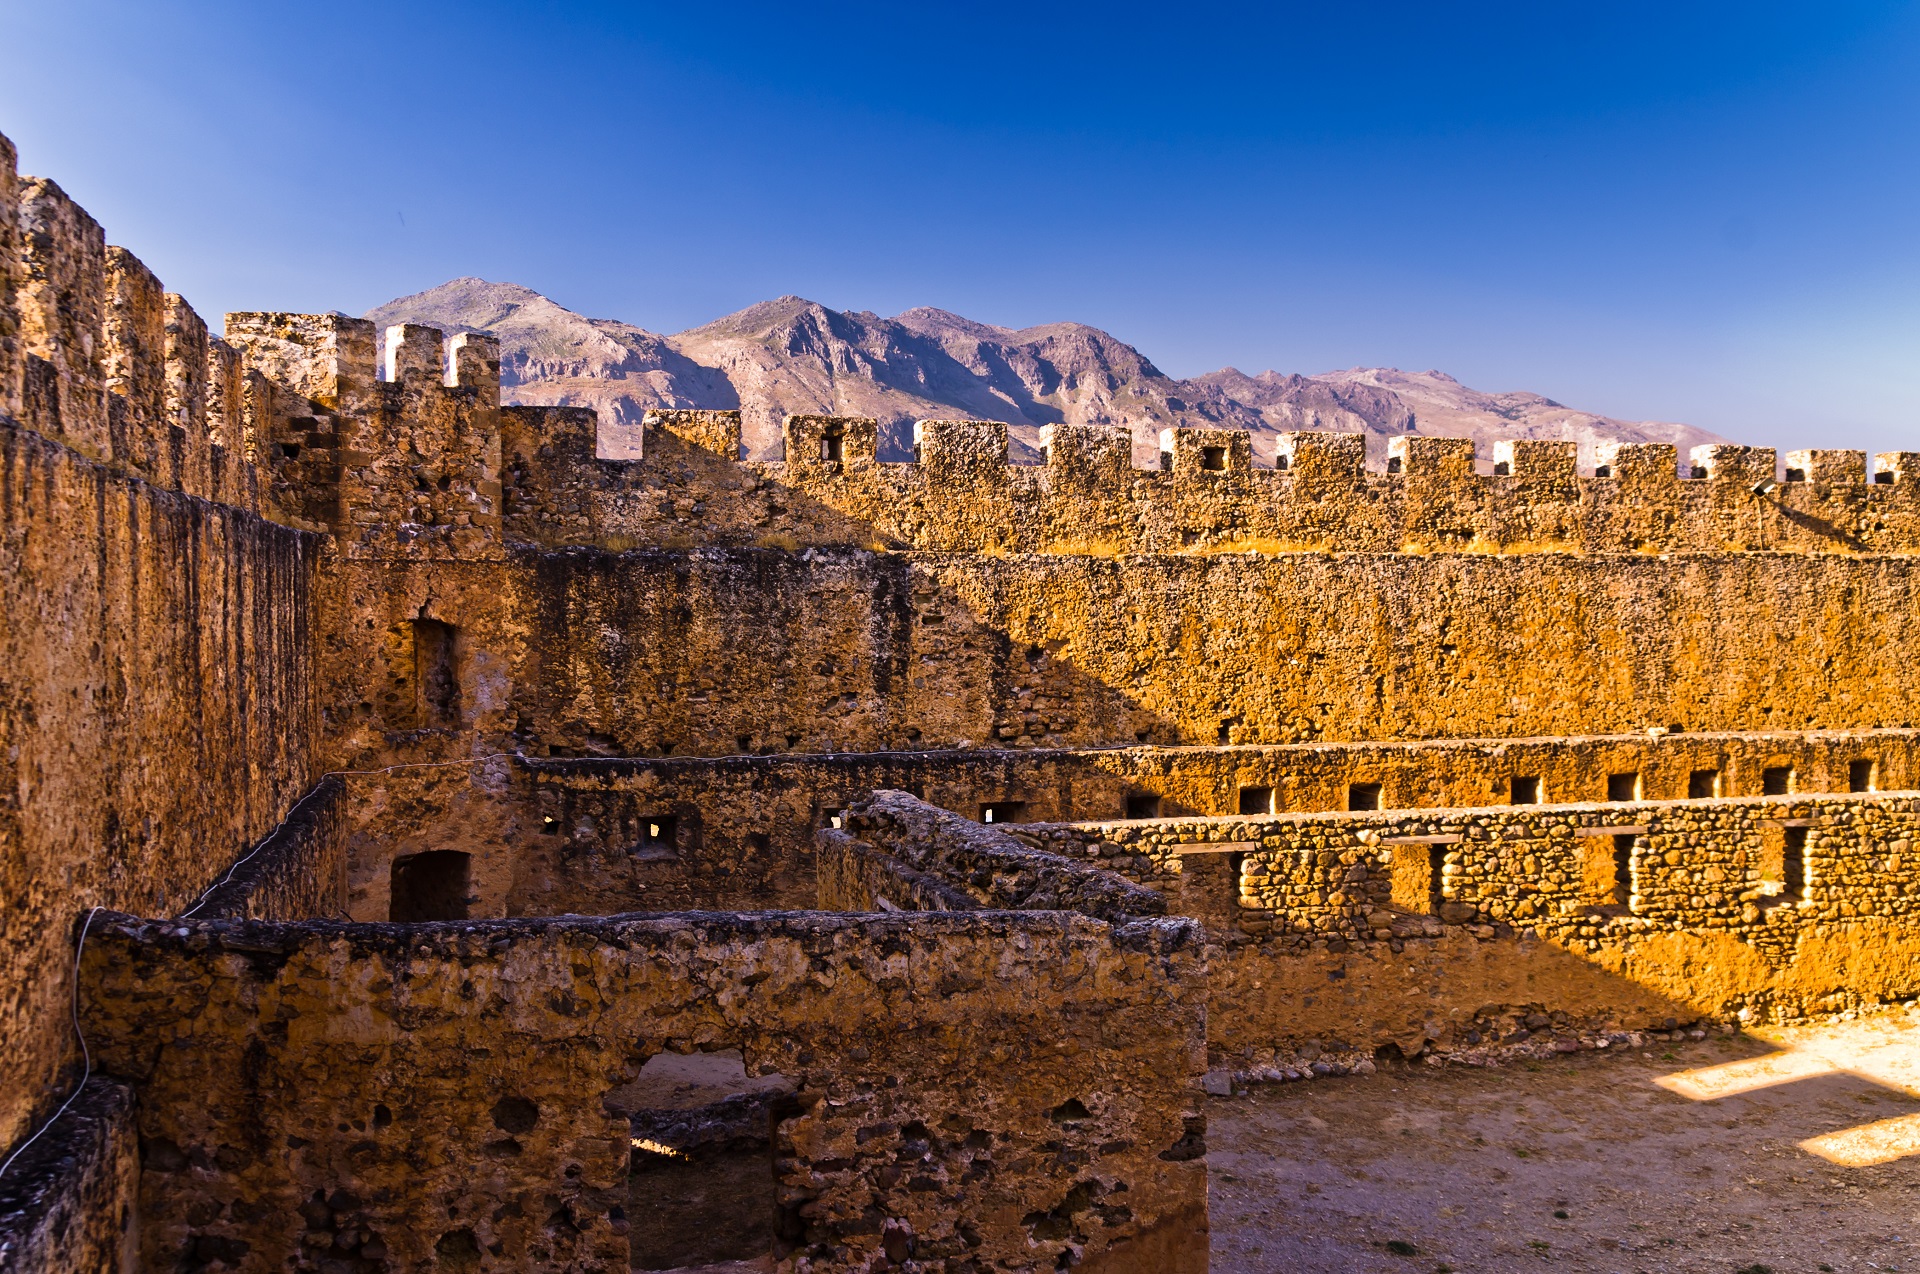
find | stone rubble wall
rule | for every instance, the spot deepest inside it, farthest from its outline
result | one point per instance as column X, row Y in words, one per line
column 96, row 355
column 1695, row 864
column 987, row 865
column 157, row 718
column 1333, row 930
column 856, row 877
column 973, row 1092
column 555, row 835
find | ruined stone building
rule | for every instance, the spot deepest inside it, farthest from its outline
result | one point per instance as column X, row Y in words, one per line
column 441, row 848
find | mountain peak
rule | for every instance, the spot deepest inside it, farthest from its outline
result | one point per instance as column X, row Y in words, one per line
column 795, row 355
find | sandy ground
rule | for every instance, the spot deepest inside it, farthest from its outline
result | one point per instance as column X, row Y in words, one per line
column 1775, row 1151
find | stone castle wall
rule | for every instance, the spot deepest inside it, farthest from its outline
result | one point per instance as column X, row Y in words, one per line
column 1371, row 927
column 549, row 836
column 725, row 651
column 688, row 488
column 434, row 1093
column 157, row 709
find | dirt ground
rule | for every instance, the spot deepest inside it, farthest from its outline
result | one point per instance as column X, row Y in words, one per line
column 1782, row 1151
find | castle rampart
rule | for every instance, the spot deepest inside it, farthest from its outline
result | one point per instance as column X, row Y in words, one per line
column 382, row 699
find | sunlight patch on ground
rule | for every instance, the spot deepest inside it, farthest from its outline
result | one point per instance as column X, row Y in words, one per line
column 1869, row 1144
column 1883, row 1050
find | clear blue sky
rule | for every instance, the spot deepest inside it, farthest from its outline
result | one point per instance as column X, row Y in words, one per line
column 1696, row 212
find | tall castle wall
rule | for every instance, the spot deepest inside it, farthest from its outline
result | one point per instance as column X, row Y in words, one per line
column 157, row 710
column 720, row 652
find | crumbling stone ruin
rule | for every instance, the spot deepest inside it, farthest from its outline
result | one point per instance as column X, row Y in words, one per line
column 438, row 847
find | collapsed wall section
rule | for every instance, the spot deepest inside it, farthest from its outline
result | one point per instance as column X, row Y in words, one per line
column 987, row 1090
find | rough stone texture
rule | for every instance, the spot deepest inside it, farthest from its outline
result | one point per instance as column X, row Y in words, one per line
column 434, row 1092
column 156, row 717
column 69, row 1203
column 650, row 653
column 290, row 615
column 856, row 877
column 988, row 865
column 549, row 836
column 298, row 871
column 961, row 494
column 1322, row 934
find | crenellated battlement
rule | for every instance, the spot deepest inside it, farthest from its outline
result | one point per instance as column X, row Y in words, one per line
column 396, row 442
column 959, row 492
column 96, row 354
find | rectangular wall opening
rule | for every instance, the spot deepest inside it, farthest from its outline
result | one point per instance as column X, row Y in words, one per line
column 1783, row 864
column 1623, row 869
column 1526, row 789
column 701, row 1186
column 1793, row 875
column 1210, row 890
column 1623, row 787
column 1256, row 800
column 659, row 838
column 831, row 445
column 1143, row 805
column 1003, row 812
column 436, row 672
column 1702, row 784
column 1605, row 862
column 1213, row 459
column 1861, row 776
column 1436, row 878
column 1776, row 780
column 430, row 886
column 1363, row 796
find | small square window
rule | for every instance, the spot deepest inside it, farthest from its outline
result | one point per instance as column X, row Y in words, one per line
column 659, row 838
column 1526, row 789
column 1776, row 780
column 1213, row 459
column 1861, row 776
column 1256, row 800
column 1003, row 812
column 1363, row 796
column 1623, row 787
column 830, row 447
column 1143, row 805
column 1702, row 784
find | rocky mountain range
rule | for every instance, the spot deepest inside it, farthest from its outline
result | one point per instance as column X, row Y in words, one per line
column 795, row 355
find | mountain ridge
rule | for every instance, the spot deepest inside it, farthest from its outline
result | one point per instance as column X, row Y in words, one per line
column 791, row 354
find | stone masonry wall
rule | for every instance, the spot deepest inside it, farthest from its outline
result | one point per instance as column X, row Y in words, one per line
column 1339, row 925
column 974, row 1092
column 298, row 872
column 688, row 489
column 552, row 835
column 70, row 1202
column 156, row 718
column 728, row 651
column 988, row 865
column 856, row 877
